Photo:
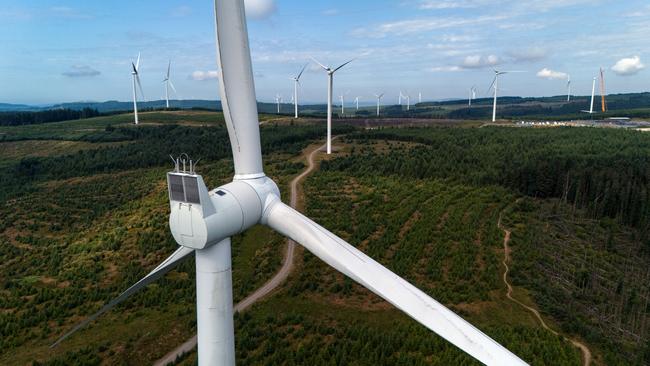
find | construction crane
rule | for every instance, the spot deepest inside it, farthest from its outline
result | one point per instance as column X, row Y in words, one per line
column 602, row 90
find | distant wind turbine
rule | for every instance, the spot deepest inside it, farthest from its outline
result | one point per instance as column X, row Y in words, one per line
column 472, row 95
column 356, row 100
column 278, row 100
column 400, row 97
column 135, row 75
column 330, row 83
column 419, row 97
column 167, row 81
column 378, row 96
column 495, row 84
column 568, row 88
column 296, row 83
column 408, row 101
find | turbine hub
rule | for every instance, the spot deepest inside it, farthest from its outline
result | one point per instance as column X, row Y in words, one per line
column 200, row 218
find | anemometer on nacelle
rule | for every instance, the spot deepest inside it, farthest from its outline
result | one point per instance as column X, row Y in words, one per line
column 200, row 218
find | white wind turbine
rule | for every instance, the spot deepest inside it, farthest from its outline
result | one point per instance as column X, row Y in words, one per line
column 568, row 88
column 296, row 83
column 278, row 100
column 495, row 84
column 408, row 101
column 356, row 100
column 203, row 221
column 400, row 97
column 330, row 83
column 135, row 75
column 419, row 97
column 472, row 95
column 342, row 97
column 378, row 96
column 168, row 83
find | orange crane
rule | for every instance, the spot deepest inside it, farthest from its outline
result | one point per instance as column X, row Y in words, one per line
column 602, row 90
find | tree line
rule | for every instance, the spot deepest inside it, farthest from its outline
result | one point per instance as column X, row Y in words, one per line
column 47, row 116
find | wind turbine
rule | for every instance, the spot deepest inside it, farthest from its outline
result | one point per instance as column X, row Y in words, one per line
column 472, row 95
column 356, row 100
column 168, row 83
column 330, row 83
column 296, row 83
column 495, row 84
column 419, row 97
column 378, row 101
column 400, row 97
column 278, row 100
column 408, row 101
column 593, row 94
column 568, row 88
column 203, row 221
column 342, row 96
column 135, row 75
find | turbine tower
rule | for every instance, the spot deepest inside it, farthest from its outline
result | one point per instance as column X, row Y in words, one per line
column 203, row 221
column 296, row 83
column 602, row 90
column 400, row 97
column 330, row 84
column 568, row 88
column 168, row 83
column 408, row 102
column 135, row 75
column 356, row 100
column 378, row 96
column 419, row 97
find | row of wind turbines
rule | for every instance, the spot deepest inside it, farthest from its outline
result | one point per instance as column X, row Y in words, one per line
column 135, row 76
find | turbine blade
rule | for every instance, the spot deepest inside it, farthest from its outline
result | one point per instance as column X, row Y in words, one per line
column 137, row 79
column 164, row 267
column 172, row 86
column 237, row 88
column 169, row 65
column 135, row 70
column 301, row 71
column 372, row 275
column 321, row 65
column 137, row 63
column 491, row 85
column 343, row 65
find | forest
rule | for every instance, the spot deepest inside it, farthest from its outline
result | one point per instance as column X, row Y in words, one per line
column 46, row 116
column 80, row 226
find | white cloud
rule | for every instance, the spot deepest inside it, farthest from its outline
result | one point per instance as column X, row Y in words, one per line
column 204, row 75
column 551, row 75
column 404, row 27
column 531, row 54
column 478, row 61
column 260, row 9
column 444, row 69
column 628, row 66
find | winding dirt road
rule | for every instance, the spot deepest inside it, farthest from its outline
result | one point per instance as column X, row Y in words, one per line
column 586, row 353
column 274, row 282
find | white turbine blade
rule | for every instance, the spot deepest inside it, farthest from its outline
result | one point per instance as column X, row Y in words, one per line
column 300, row 74
column 164, row 267
column 137, row 63
column 343, row 65
column 363, row 269
column 172, row 86
column 137, row 79
column 237, row 89
column 491, row 85
column 169, row 65
column 321, row 65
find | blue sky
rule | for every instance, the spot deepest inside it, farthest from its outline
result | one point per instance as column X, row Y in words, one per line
column 72, row 50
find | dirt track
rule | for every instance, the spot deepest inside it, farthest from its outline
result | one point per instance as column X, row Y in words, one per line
column 586, row 353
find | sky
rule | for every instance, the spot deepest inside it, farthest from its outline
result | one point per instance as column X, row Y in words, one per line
column 76, row 50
